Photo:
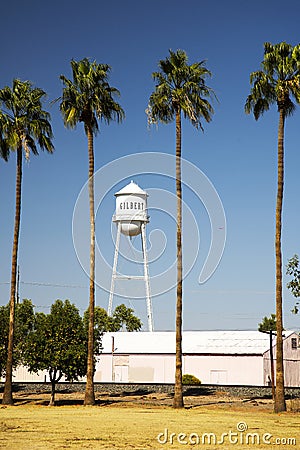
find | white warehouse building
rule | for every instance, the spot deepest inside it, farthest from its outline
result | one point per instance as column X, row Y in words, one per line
column 215, row 357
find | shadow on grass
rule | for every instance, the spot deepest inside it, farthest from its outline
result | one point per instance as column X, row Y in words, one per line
column 15, row 388
column 136, row 392
column 130, row 393
column 196, row 391
column 45, row 402
column 61, row 402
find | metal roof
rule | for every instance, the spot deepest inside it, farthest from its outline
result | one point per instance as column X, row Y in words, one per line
column 193, row 342
column 131, row 188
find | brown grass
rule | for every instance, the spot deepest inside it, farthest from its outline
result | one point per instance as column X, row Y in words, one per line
column 135, row 421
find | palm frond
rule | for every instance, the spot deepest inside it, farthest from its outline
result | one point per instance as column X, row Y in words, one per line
column 179, row 85
column 88, row 97
column 23, row 122
column 277, row 82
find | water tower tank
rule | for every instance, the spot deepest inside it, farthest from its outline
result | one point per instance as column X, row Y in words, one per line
column 131, row 209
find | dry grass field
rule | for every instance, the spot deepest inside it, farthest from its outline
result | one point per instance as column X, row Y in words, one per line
column 147, row 422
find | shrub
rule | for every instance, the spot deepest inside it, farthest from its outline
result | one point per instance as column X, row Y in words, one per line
column 190, row 379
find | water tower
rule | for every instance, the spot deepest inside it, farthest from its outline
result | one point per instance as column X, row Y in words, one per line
column 131, row 218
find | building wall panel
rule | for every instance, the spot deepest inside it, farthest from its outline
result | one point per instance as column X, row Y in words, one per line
column 225, row 369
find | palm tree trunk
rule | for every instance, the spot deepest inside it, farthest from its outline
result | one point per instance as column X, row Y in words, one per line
column 178, row 396
column 89, row 398
column 7, row 394
column 279, row 404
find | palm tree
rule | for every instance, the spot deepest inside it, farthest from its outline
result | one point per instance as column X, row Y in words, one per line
column 24, row 126
column 277, row 82
column 89, row 98
column 180, row 88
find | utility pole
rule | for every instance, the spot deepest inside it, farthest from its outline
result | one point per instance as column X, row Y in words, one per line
column 272, row 365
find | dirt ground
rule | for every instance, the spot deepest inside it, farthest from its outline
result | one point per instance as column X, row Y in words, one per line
column 218, row 399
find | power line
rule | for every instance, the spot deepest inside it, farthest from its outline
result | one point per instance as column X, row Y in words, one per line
column 37, row 283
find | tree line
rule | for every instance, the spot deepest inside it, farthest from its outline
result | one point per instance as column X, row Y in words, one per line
column 180, row 90
column 57, row 342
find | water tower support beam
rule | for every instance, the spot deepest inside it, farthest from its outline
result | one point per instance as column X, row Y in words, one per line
column 114, row 272
column 147, row 279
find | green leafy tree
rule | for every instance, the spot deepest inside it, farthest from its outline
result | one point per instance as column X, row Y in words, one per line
column 294, row 285
column 24, row 320
column 100, row 326
column 88, row 98
column 180, row 89
column 122, row 318
column 24, row 126
column 267, row 324
column 58, row 344
column 277, row 82
column 102, row 321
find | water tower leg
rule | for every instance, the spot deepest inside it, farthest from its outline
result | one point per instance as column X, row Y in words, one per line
column 114, row 272
column 147, row 281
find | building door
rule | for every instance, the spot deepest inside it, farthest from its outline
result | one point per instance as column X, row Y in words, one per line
column 121, row 374
column 218, row 376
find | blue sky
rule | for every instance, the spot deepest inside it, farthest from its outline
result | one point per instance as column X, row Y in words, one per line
column 236, row 153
